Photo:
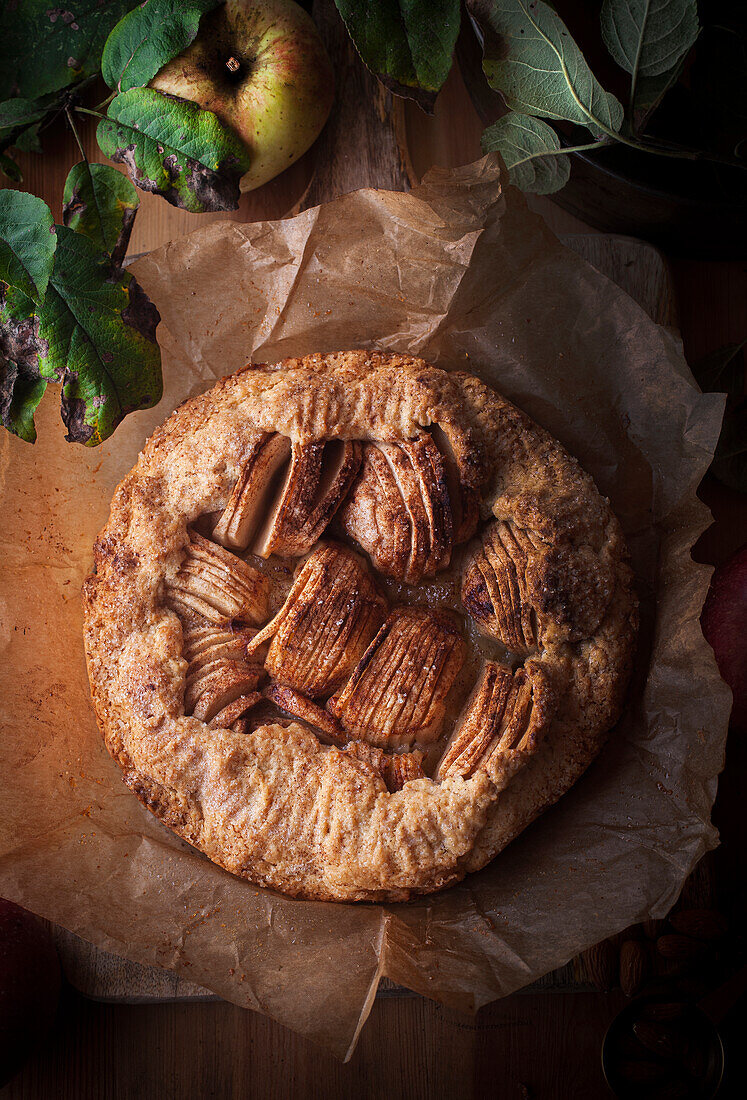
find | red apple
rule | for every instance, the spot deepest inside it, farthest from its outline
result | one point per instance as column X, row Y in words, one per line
column 261, row 67
column 724, row 622
column 29, row 985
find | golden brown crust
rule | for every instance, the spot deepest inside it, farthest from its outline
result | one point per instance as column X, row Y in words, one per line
column 276, row 805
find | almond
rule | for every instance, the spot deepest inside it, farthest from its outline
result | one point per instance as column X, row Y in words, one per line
column 633, row 966
column 702, row 924
column 659, row 1039
column 601, row 964
column 680, row 948
column 652, row 929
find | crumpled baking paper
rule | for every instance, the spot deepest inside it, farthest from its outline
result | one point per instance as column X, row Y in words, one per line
column 460, row 272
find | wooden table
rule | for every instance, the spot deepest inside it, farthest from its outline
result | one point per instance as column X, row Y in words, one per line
column 539, row 1046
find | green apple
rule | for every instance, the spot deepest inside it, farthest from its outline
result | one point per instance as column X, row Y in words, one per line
column 261, row 67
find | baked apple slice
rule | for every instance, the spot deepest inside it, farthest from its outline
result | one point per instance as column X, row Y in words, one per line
column 428, row 466
column 525, row 592
column 376, row 516
column 296, row 705
column 502, row 724
column 214, row 692
column 253, row 491
column 216, row 585
column 395, row 769
column 286, row 495
column 465, row 474
column 396, row 695
column 330, row 615
column 234, row 715
column 317, row 479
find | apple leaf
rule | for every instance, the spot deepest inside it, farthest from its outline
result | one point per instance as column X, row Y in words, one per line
column 102, row 341
column 18, row 112
column 531, row 152
column 21, row 382
column 532, row 60
column 10, row 169
column 95, row 333
column 45, row 48
column 408, row 44
column 650, row 39
column 149, row 36
column 173, row 148
column 27, row 243
column 28, row 140
column 101, row 203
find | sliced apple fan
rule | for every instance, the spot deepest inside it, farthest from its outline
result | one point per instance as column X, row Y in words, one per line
column 502, row 723
column 286, row 495
column 413, row 501
column 397, row 693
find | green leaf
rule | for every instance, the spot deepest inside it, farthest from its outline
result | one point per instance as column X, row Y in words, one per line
column 408, row 43
column 148, row 37
column 20, row 395
column 27, row 243
column 28, row 140
column 101, row 203
column 532, row 60
column 101, row 336
column 650, row 39
column 725, row 371
column 11, row 170
column 174, row 149
column 20, row 120
column 531, row 151
column 45, row 48
column 94, row 333
column 21, row 381
column 19, row 112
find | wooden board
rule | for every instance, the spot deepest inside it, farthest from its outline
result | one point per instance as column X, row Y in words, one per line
column 641, row 271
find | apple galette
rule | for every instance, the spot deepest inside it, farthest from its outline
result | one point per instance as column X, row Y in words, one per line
column 354, row 622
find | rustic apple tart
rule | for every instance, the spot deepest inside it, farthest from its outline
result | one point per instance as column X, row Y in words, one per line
column 354, row 622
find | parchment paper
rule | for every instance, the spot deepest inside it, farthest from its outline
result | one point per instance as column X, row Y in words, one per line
column 462, row 273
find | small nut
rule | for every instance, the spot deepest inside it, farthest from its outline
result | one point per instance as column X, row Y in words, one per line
column 634, row 966
column 660, row 1039
column 601, row 965
column 680, row 948
column 702, row 924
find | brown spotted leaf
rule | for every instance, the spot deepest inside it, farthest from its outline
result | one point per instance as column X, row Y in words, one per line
column 95, row 334
column 101, row 203
column 173, row 148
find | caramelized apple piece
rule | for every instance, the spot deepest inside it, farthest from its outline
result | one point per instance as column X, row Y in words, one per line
column 397, row 693
column 502, row 724
column 224, row 685
column 286, row 494
column 395, row 769
column 376, row 516
column 464, row 475
column 205, row 644
column 494, row 590
column 330, row 615
column 217, row 585
column 428, row 466
column 253, row 492
column 318, row 478
column 233, row 716
column 524, row 592
column 296, row 705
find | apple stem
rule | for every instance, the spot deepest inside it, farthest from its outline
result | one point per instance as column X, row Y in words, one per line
column 233, row 65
